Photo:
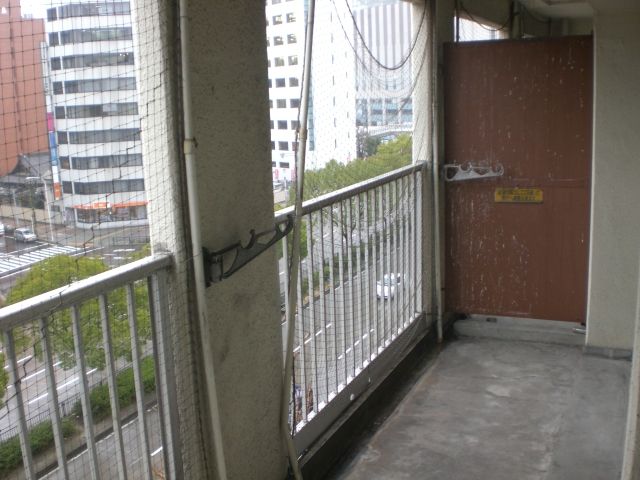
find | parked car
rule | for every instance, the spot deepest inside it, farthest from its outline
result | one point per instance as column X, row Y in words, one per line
column 1, row 229
column 24, row 234
column 389, row 285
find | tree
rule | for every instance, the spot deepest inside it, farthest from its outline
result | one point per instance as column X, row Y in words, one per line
column 63, row 270
column 4, row 378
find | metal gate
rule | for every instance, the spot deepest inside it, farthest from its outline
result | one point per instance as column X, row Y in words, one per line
column 517, row 163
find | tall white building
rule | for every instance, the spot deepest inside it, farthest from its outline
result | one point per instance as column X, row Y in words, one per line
column 285, row 50
column 351, row 93
column 95, row 105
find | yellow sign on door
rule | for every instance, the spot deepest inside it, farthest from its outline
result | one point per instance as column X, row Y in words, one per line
column 518, row 195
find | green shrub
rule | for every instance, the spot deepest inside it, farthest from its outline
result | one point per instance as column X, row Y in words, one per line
column 40, row 438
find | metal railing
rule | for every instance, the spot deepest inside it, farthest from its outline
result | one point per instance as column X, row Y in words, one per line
column 360, row 284
column 94, row 325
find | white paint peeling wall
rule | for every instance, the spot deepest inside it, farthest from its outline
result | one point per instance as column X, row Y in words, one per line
column 615, row 215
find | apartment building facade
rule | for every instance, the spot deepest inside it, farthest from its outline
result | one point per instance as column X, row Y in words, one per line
column 95, row 105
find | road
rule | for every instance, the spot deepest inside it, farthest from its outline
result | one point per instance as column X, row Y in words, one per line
column 80, row 467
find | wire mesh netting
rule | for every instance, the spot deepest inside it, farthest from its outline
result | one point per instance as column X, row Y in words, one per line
column 85, row 384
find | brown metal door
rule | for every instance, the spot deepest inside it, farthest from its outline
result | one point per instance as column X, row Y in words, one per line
column 517, row 244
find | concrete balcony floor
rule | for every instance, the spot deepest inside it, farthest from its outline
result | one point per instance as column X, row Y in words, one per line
column 488, row 408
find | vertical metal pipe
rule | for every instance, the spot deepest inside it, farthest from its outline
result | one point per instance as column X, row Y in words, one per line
column 137, row 380
column 304, row 112
column 189, row 148
column 54, row 406
column 113, row 387
column 87, row 416
column 23, row 431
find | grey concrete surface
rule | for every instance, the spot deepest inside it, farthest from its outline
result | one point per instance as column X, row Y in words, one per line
column 494, row 409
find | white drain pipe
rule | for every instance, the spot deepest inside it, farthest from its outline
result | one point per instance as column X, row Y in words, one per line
column 196, row 242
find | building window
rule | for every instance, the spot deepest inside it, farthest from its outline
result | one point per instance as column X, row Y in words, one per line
column 93, row 9
column 291, row 17
column 277, row 19
column 293, row 60
column 270, row 83
column 107, row 161
column 55, row 63
column 67, row 187
column 113, row 186
column 273, row 145
column 294, row 82
column 99, row 85
column 281, row 103
column 53, row 39
column 275, row 2
column 280, row 82
column 294, row 146
column 294, row 124
column 62, row 138
column 59, row 112
column 283, row 146
column 282, row 124
column 106, row 110
column 273, row 164
column 294, row 103
column 105, row 136
column 57, row 88
column 65, row 163
column 278, row 62
column 52, row 14
column 284, row 164
column 95, row 35
column 271, row 123
column 278, row 40
column 291, row 38
column 97, row 60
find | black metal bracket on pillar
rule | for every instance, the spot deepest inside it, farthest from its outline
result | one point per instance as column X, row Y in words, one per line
column 239, row 255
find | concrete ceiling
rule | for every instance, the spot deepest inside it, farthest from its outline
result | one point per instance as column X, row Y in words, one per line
column 580, row 8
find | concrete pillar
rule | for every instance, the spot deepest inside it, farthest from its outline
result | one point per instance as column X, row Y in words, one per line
column 228, row 76
column 631, row 460
column 615, row 218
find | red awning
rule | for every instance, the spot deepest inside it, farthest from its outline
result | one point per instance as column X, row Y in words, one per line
column 93, row 206
column 136, row 203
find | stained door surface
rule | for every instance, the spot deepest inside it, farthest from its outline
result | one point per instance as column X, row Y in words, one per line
column 517, row 244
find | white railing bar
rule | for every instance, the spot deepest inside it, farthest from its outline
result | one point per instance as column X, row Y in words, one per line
column 113, row 386
column 323, row 308
column 165, row 376
column 374, row 264
column 84, row 393
column 54, row 411
column 312, row 314
column 302, row 364
column 343, row 289
column 360, row 296
column 23, row 431
column 352, row 300
column 397, row 246
column 137, row 379
column 334, row 323
column 64, row 297
column 342, row 194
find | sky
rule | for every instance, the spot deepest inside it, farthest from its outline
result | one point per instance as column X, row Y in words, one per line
column 36, row 8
